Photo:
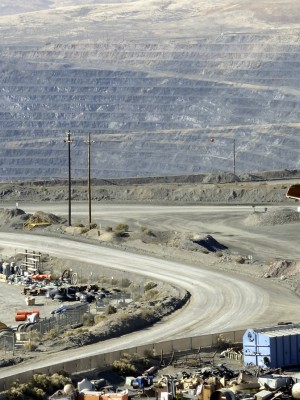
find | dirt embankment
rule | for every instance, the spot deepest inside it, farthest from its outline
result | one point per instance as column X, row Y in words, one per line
column 264, row 188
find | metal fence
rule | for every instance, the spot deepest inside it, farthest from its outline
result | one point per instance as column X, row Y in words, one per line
column 12, row 341
column 71, row 318
column 7, row 341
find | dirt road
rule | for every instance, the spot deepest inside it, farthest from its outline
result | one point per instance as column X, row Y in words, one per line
column 220, row 301
column 225, row 223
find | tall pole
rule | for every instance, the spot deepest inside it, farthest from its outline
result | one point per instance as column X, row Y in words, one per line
column 212, row 139
column 89, row 180
column 69, row 141
column 234, row 155
column 89, row 141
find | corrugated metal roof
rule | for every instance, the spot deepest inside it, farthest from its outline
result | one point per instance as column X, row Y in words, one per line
column 280, row 330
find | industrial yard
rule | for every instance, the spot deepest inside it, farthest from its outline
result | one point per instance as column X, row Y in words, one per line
column 149, row 220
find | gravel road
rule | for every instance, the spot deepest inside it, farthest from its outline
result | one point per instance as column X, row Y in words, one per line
column 227, row 224
column 220, row 301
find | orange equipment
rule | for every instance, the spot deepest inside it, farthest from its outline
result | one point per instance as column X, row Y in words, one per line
column 22, row 315
column 41, row 277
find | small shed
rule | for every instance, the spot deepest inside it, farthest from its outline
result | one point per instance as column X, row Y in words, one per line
column 272, row 347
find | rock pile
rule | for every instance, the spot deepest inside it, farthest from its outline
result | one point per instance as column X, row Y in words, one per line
column 283, row 268
column 273, row 217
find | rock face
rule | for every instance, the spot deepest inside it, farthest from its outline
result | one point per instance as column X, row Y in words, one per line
column 191, row 87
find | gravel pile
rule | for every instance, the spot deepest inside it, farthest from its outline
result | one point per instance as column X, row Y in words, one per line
column 283, row 268
column 15, row 218
column 195, row 242
column 273, row 217
column 10, row 213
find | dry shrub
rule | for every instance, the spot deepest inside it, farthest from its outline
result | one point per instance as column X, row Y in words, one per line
column 30, row 346
column 123, row 367
column 52, row 334
column 240, row 260
column 136, row 296
column 121, row 230
column 147, row 314
column 99, row 318
column 150, row 353
column 104, row 279
column 37, row 387
column 125, row 282
column 114, row 281
column 40, row 381
column 59, row 380
column 223, row 342
column 121, row 227
column 88, row 320
column 78, row 224
column 68, row 333
column 110, row 309
column 131, row 364
column 36, row 393
column 149, row 285
column 72, row 332
column 146, row 231
column 16, row 392
column 152, row 294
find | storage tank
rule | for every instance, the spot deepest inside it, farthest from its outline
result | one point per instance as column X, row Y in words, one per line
column 6, row 268
column 69, row 389
column 296, row 391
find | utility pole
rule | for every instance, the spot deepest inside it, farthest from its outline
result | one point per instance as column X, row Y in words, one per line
column 212, row 139
column 234, row 155
column 69, row 141
column 89, row 141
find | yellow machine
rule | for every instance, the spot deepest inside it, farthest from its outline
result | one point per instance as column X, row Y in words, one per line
column 36, row 220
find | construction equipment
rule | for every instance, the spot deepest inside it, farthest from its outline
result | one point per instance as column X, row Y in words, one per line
column 38, row 219
column 34, row 222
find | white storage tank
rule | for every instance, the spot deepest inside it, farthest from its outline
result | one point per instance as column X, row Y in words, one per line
column 296, row 391
column 6, row 268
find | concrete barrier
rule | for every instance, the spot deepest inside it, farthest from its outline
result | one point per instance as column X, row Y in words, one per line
column 106, row 359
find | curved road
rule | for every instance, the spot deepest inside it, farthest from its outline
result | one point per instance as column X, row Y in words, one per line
column 219, row 302
column 224, row 223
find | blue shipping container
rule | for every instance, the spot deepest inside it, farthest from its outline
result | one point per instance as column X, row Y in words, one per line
column 273, row 347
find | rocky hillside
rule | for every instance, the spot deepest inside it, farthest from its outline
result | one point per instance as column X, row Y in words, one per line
column 153, row 83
